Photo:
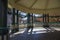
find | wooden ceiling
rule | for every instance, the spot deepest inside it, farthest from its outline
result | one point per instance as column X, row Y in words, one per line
column 35, row 6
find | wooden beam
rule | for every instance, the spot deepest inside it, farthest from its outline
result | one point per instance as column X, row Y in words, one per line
column 33, row 4
column 47, row 1
column 17, row 1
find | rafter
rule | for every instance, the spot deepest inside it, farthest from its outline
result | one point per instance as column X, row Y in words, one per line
column 33, row 3
column 17, row 1
column 22, row 5
column 47, row 1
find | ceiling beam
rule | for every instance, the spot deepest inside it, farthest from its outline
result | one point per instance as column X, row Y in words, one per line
column 17, row 1
column 22, row 5
column 47, row 1
column 33, row 4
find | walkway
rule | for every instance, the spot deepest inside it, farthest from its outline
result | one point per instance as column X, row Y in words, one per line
column 36, row 35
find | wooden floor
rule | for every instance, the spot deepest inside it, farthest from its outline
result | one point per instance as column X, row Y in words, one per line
column 37, row 36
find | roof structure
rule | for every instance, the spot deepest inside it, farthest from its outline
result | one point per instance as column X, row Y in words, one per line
column 36, row 6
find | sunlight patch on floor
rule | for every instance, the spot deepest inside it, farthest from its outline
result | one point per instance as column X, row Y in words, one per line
column 36, row 30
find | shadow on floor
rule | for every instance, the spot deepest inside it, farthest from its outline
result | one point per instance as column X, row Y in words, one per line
column 41, row 36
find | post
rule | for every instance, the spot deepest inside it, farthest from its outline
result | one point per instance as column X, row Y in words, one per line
column 43, row 18
column 13, row 16
column 17, row 19
column 28, row 19
column 13, row 23
column 47, row 18
column 32, row 19
column 3, row 18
